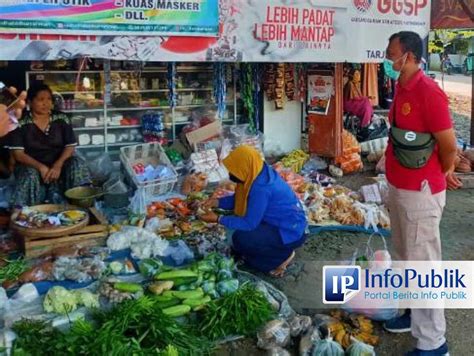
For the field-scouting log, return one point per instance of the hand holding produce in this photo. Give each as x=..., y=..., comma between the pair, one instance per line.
x=210, y=204
x=210, y=217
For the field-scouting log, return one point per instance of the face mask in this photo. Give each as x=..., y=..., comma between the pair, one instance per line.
x=388, y=67
x=234, y=179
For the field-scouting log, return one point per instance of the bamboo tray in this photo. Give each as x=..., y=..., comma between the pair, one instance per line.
x=94, y=234
x=43, y=232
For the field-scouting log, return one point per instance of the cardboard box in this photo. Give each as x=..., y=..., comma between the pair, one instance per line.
x=204, y=133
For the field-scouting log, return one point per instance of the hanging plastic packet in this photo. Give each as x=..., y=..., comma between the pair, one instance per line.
x=137, y=209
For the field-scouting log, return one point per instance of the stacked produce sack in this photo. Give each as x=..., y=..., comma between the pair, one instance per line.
x=350, y=161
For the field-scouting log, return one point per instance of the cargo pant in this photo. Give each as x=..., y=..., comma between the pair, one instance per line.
x=415, y=217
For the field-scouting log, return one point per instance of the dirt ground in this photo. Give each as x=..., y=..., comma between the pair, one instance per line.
x=303, y=288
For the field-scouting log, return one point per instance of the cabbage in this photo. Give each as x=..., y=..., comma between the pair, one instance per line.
x=226, y=263
x=87, y=298
x=59, y=300
x=116, y=267
x=228, y=287
x=208, y=286
x=224, y=274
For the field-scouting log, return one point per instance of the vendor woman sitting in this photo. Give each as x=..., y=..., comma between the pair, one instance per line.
x=43, y=148
x=268, y=220
x=355, y=103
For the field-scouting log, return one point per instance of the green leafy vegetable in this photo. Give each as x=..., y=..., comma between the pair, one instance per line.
x=12, y=270
x=239, y=313
x=134, y=327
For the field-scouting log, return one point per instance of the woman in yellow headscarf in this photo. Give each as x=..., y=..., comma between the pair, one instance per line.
x=268, y=220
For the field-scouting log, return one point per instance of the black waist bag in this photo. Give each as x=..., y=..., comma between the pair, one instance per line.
x=412, y=149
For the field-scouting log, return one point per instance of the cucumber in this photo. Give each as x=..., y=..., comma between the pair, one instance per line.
x=169, y=303
x=185, y=280
x=163, y=298
x=177, y=311
x=189, y=294
x=195, y=302
x=128, y=287
x=179, y=273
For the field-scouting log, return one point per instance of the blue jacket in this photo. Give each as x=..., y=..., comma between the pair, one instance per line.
x=270, y=201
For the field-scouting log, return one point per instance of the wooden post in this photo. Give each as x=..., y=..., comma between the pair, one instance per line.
x=472, y=106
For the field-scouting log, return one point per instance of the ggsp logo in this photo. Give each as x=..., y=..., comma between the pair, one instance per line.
x=399, y=7
x=340, y=283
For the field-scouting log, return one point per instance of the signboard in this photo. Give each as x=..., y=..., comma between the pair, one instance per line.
x=251, y=31
x=452, y=14
x=110, y=17
x=320, y=90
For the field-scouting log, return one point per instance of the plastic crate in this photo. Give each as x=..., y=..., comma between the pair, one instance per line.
x=148, y=153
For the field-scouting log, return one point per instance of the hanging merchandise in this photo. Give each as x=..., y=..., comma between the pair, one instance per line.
x=172, y=84
x=290, y=81
x=153, y=127
x=269, y=77
x=301, y=80
x=250, y=88
x=220, y=88
x=370, y=87
x=280, y=86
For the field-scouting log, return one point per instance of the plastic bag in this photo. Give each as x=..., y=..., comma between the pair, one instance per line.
x=277, y=299
x=101, y=167
x=194, y=183
x=380, y=167
x=360, y=348
x=137, y=209
x=3, y=298
x=179, y=252
x=299, y=324
x=237, y=135
x=278, y=351
x=115, y=185
x=381, y=309
x=276, y=333
x=315, y=163
x=307, y=341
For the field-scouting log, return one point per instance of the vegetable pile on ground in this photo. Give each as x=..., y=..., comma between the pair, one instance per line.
x=12, y=270
x=349, y=327
x=185, y=311
x=134, y=327
x=181, y=291
x=177, y=218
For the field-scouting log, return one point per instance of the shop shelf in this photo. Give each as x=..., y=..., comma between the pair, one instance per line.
x=119, y=144
x=91, y=146
x=89, y=128
x=195, y=89
x=81, y=110
x=77, y=92
x=118, y=127
x=138, y=108
x=140, y=91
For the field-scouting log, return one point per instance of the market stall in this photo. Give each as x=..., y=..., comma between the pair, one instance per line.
x=146, y=274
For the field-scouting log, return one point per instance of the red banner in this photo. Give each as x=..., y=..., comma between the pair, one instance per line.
x=452, y=14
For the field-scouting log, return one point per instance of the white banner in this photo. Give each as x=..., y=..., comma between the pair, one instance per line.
x=252, y=31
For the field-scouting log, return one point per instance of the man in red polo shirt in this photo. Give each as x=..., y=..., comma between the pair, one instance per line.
x=417, y=196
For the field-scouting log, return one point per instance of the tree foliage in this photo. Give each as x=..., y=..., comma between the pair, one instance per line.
x=454, y=40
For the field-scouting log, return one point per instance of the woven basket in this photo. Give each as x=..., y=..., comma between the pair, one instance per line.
x=148, y=153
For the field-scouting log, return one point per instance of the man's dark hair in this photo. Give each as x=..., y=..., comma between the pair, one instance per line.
x=36, y=88
x=410, y=42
